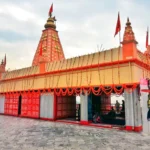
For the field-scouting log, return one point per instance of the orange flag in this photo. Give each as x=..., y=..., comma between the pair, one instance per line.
x=40, y=53
x=147, y=37
x=118, y=26
x=51, y=10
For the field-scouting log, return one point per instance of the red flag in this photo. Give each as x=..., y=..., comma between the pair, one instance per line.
x=40, y=53
x=147, y=37
x=118, y=26
x=51, y=9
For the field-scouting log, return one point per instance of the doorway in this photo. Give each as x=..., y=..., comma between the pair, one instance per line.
x=19, y=105
x=104, y=110
x=68, y=109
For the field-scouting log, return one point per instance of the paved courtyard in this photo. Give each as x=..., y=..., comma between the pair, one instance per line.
x=30, y=134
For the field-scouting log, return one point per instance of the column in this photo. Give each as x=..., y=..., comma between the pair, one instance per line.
x=47, y=106
x=129, y=111
x=84, y=109
x=137, y=111
x=144, y=98
x=2, y=103
x=54, y=106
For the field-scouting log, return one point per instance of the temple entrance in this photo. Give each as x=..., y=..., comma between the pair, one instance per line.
x=67, y=107
x=19, y=105
x=105, y=110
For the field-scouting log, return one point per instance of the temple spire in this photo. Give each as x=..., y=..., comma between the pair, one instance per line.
x=129, y=49
x=51, y=20
x=128, y=33
x=49, y=48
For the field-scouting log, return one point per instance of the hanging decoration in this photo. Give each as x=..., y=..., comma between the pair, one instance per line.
x=130, y=88
x=104, y=67
x=89, y=72
x=57, y=91
x=60, y=68
x=64, y=92
x=86, y=90
x=97, y=92
x=119, y=64
x=68, y=66
x=99, y=72
x=117, y=91
x=77, y=91
x=72, y=71
x=107, y=90
x=70, y=91
x=142, y=59
x=112, y=67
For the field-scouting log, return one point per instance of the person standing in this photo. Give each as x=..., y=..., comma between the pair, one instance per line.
x=123, y=106
x=117, y=105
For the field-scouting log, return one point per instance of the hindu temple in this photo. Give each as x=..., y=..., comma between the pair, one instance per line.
x=49, y=87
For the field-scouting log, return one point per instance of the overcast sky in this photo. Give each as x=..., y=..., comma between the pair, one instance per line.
x=82, y=26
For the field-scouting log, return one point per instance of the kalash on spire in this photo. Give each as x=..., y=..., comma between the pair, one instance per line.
x=49, y=48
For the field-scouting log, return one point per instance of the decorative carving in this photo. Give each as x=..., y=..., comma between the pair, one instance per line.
x=44, y=48
x=55, y=38
x=44, y=37
x=57, y=49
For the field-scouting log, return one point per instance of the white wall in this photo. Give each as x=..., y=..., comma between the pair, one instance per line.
x=115, y=97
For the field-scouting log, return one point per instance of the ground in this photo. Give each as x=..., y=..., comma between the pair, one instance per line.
x=29, y=134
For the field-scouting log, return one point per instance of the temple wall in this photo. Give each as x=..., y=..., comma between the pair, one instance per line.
x=116, y=74
x=139, y=72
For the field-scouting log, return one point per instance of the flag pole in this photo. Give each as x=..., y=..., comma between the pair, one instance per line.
x=120, y=39
x=148, y=35
x=119, y=32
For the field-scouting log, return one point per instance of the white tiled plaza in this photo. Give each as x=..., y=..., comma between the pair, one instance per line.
x=29, y=134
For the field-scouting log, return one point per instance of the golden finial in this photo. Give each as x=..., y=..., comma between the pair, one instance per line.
x=50, y=23
x=128, y=22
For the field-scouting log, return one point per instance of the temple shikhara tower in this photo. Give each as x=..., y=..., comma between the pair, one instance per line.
x=49, y=88
x=129, y=42
x=49, y=45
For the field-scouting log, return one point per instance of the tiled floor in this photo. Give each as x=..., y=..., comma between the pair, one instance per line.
x=30, y=134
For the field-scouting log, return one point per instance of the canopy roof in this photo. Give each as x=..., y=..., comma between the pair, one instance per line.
x=97, y=58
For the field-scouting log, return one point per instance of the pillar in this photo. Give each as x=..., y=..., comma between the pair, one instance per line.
x=133, y=111
x=84, y=109
x=137, y=111
x=144, y=98
x=2, y=104
x=129, y=112
x=47, y=106
x=55, y=107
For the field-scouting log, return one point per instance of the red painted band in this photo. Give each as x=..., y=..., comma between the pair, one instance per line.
x=138, y=129
x=84, y=122
x=129, y=128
